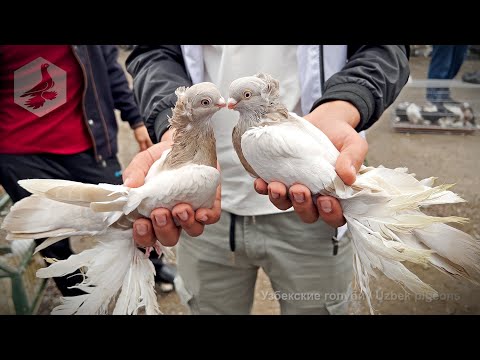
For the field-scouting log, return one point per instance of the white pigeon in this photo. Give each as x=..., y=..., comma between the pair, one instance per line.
x=414, y=114
x=58, y=209
x=382, y=207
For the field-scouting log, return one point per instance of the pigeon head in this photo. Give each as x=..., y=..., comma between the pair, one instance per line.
x=257, y=93
x=195, y=104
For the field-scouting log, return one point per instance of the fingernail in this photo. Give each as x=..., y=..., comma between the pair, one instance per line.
x=203, y=218
x=275, y=195
x=354, y=170
x=300, y=198
x=326, y=206
x=183, y=216
x=142, y=229
x=128, y=182
x=161, y=220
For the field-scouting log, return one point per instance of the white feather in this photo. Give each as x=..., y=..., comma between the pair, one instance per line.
x=51, y=219
x=105, y=212
x=113, y=265
x=382, y=207
x=61, y=209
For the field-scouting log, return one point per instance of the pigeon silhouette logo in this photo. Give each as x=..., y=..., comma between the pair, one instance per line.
x=40, y=87
x=39, y=93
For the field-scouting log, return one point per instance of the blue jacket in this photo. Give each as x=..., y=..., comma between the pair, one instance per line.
x=106, y=89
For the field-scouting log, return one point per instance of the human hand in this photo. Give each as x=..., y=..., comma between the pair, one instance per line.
x=161, y=224
x=337, y=120
x=142, y=137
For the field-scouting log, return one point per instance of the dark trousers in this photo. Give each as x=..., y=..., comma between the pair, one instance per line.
x=80, y=167
x=445, y=63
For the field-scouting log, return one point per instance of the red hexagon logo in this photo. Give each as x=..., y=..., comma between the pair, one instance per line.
x=40, y=86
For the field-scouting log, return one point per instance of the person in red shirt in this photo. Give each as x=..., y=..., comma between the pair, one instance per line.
x=57, y=120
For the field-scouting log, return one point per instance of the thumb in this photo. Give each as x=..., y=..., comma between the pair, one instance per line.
x=134, y=174
x=352, y=155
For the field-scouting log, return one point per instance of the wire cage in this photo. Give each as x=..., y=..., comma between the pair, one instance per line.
x=455, y=108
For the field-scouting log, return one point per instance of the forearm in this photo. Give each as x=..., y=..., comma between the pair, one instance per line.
x=370, y=81
x=121, y=93
x=157, y=70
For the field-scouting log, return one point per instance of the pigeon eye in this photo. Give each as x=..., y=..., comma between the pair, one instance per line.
x=205, y=102
x=247, y=94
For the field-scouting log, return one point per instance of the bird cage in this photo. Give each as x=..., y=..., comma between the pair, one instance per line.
x=20, y=289
x=420, y=50
x=413, y=113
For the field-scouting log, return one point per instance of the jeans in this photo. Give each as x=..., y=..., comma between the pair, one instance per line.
x=445, y=64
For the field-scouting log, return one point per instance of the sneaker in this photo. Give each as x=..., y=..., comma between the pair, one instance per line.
x=166, y=288
x=164, y=273
x=451, y=102
x=472, y=77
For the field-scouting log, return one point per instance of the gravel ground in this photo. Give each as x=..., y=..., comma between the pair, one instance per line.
x=452, y=158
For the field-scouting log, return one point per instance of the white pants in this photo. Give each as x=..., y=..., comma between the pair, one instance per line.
x=298, y=258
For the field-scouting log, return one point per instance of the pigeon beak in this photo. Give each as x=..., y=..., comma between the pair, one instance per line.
x=221, y=103
x=232, y=103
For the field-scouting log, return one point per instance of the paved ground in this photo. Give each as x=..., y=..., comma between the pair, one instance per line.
x=452, y=158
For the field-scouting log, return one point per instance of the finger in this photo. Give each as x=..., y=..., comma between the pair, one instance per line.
x=134, y=174
x=277, y=192
x=303, y=203
x=149, y=142
x=352, y=155
x=143, y=233
x=211, y=216
x=260, y=186
x=185, y=216
x=330, y=211
x=165, y=229
x=143, y=145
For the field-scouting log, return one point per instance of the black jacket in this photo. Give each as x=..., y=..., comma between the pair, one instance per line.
x=371, y=80
x=106, y=89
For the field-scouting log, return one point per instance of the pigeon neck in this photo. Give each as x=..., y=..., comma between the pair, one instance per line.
x=248, y=120
x=270, y=115
x=193, y=144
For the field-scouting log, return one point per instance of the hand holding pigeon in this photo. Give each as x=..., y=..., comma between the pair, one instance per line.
x=185, y=174
x=381, y=205
x=337, y=120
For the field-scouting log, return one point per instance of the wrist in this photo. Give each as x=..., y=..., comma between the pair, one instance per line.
x=138, y=124
x=337, y=110
x=139, y=128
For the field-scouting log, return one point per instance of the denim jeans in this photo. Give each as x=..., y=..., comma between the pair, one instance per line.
x=445, y=64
